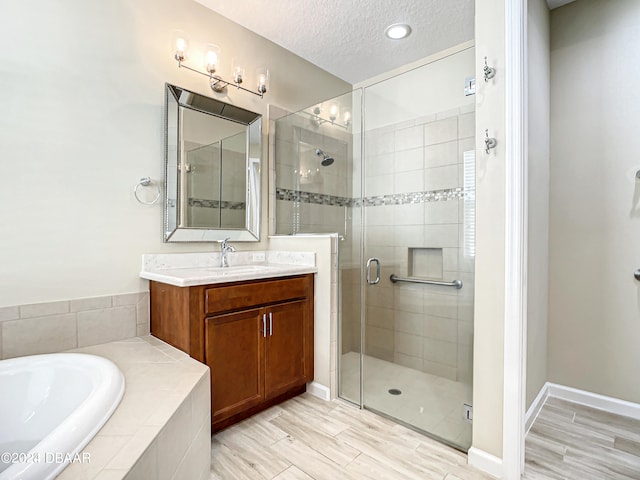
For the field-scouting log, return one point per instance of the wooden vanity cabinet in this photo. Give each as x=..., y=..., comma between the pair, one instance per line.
x=256, y=337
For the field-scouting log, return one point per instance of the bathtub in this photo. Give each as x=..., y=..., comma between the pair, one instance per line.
x=50, y=407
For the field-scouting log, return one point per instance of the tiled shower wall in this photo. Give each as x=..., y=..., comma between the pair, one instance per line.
x=415, y=205
x=58, y=326
x=311, y=198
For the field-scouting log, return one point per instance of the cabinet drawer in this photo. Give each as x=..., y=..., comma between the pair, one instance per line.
x=233, y=297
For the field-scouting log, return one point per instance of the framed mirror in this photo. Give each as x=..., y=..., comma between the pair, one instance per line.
x=212, y=169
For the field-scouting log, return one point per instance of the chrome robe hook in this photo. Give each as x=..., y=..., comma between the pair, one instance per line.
x=489, y=72
x=489, y=142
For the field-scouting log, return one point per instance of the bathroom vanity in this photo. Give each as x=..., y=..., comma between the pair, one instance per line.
x=255, y=334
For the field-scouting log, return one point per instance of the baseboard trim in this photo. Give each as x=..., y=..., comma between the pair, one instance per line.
x=485, y=461
x=319, y=390
x=594, y=400
x=536, y=406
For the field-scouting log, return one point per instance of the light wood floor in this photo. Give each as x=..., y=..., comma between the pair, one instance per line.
x=306, y=438
x=575, y=442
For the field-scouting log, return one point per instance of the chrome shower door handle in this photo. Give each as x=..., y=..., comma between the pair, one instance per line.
x=377, y=279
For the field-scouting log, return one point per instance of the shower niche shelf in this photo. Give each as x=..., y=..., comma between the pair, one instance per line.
x=425, y=262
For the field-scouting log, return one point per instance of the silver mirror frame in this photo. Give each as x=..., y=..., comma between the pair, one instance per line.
x=173, y=229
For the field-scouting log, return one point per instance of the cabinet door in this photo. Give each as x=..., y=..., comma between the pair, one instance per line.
x=234, y=349
x=285, y=347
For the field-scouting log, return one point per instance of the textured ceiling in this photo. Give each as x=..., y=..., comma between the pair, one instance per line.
x=346, y=37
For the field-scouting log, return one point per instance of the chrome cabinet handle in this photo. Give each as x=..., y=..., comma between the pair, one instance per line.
x=377, y=279
x=636, y=274
x=271, y=324
x=264, y=325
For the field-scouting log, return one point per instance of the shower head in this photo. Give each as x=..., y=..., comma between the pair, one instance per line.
x=326, y=159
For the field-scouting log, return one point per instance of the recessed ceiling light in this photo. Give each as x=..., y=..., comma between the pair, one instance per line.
x=397, y=31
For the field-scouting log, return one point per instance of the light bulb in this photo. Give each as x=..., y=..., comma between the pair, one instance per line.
x=238, y=71
x=347, y=118
x=211, y=57
x=398, y=31
x=180, y=44
x=334, y=111
x=263, y=80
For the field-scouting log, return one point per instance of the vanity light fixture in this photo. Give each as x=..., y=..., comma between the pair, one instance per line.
x=334, y=114
x=397, y=31
x=211, y=65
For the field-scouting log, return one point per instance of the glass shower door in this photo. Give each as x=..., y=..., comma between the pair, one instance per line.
x=417, y=239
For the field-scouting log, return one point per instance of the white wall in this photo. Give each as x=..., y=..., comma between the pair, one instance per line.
x=488, y=344
x=82, y=121
x=538, y=184
x=594, y=301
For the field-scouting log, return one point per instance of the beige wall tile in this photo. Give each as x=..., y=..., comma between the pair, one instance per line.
x=438, y=178
x=196, y=462
x=440, y=328
x=134, y=448
x=442, y=154
x=441, y=131
x=467, y=125
x=408, y=322
x=201, y=402
x=43, y=309
x=406, y=344
x=31, y=336
x=380, y=317
x=441, y=304
x=407, y=360
x=438, y=351
x=441, y=236
x=101, y=326
x=379, y=337
x=96, y=303
x=409, y=160
x=440, y=370
x=142, y=311
x=9, y=313
x=408, y=138
x=146, y=468
x=128, y=299
x=406, y=182
x=174, y=441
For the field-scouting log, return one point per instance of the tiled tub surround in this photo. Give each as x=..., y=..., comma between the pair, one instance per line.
x=162, y=427
x=57, y=326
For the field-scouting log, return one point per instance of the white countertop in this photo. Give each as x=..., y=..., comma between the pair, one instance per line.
x=187, y=270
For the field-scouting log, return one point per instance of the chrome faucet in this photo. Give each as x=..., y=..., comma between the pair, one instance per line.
x=225, y=248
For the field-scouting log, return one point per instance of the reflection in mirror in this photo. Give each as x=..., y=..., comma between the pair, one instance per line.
x=213, y=153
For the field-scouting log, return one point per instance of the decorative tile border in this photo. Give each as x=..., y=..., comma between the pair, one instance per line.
x=309, y=197
x=206, y=203
x=394, y=199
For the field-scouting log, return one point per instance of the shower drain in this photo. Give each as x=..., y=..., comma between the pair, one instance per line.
x=395, y=391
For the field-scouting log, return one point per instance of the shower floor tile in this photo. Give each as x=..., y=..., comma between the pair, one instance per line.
x=430, y=403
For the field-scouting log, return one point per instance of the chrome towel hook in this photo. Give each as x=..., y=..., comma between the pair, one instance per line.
x=145, y=182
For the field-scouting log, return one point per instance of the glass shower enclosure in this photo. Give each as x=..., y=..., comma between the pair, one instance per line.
x=402, y=200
